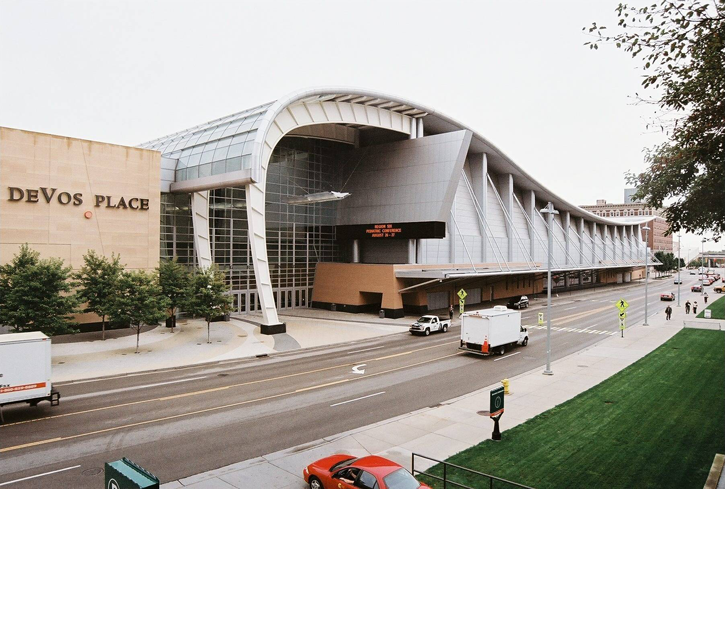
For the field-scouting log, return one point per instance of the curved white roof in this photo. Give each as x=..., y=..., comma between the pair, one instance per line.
x=235, y=142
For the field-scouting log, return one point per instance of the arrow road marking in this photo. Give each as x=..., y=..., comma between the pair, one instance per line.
x=356, y=368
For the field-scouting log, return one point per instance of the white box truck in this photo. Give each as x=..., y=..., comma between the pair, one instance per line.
x=492, y=331
x=25, y=370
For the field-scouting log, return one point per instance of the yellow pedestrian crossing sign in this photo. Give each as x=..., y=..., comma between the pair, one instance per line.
x=462, y=294
x=622, y=305
x=541, y=319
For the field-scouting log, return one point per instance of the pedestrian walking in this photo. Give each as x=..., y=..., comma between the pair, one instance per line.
x=668, y=313
x=450, y=312
x=705, y=297
x=694, y=308
x=687, y=308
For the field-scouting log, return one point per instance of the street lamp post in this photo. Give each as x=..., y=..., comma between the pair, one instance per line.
x=646, y=272
x=679, y=268
x=550, y=211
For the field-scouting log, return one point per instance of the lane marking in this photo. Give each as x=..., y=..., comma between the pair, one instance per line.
x=507, y=356
x=40, y=475
x=220, y=407
x=214, y=389
x=365, y=350
x=76, y=397
x=352, y=400
x=356, y=369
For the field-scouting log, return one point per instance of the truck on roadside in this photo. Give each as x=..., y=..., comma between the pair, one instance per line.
x=428, y=324
x=492, y=331
x=25, y=366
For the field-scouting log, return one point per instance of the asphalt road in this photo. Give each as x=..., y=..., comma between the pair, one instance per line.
x=180, y=422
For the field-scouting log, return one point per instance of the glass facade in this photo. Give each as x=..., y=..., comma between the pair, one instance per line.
x=298, y=236
x=177, y=234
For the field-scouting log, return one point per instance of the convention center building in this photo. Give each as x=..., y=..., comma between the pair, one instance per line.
x=331, y=198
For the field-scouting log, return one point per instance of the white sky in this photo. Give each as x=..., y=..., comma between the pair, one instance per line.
x=515, y=71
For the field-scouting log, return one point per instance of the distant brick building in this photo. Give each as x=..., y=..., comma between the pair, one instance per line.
x=657, y=239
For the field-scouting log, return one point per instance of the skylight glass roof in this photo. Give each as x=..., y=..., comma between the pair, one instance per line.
x=216, y=147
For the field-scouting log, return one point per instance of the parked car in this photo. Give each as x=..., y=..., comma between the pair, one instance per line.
x=707, y=281
x=518, y=303
x=428, y=324
x=343, y=471
x=667, y=297
x=696, y=288
x=719, y=289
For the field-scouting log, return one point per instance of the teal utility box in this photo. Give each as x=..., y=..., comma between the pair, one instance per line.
x=124, y=474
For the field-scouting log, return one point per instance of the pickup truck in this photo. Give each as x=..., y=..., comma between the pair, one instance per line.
x=428, y=324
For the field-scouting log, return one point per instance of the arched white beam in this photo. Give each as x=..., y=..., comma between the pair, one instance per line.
x=284, y=120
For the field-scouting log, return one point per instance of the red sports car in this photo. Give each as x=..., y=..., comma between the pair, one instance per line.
x=667, y=297
x=342, y=471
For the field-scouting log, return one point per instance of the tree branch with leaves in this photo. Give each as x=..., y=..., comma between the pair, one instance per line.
x=681, y=46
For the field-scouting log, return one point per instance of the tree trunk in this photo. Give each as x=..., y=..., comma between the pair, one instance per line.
x=208, y=326
x=138, y=334
x=103, y=327
x=173, y=312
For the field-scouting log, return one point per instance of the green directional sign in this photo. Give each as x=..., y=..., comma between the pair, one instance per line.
x=496, y=402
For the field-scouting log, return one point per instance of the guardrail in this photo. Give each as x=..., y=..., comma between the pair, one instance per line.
x=508, y=484
x=703, y=324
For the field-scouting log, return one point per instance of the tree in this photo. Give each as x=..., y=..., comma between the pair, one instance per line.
x=98, y=280
x=208, y=296
x=668, y=261
x=37, y=294
x=174, y=280
x=138, y=301
x=682, y=46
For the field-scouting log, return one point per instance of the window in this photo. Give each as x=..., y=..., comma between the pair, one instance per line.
x=367, y=480
x=401, y=479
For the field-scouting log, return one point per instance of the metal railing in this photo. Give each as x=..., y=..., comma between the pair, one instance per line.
x=449, y=465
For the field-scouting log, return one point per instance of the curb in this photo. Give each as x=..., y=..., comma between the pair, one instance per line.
x=715, y=471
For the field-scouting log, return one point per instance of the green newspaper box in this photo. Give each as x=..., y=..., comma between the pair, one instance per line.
x=124, y=474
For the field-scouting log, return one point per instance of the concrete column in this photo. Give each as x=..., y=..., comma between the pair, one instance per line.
x=565, y=222
x=413, y=129
x=356, y=251
x=479, y=183
x=506, y=191
x=529, y=203
x=419, y=132
x=412, y=251
x=200, y=224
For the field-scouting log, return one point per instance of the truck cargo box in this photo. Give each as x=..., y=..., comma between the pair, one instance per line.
x=491, y=330
x=25, y=361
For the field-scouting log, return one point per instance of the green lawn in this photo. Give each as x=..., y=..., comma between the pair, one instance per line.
x=717, y=307
x=656, y=424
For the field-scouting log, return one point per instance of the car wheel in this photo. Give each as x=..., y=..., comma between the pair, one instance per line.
x=445, y=327
x=525, y=342
x=315, y=483
x=427, y=331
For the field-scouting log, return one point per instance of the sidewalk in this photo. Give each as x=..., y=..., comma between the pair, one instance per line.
x=235, y=339
x=455, y=425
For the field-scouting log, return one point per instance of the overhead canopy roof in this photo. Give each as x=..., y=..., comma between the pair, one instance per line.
x=234, y=142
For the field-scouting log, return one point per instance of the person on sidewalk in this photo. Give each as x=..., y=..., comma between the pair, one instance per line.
x=450, y=312
x=687, y=307
x=668, y=313
x=705, y=297
x=694, y=308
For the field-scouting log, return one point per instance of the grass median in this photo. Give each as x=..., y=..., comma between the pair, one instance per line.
x=717, y=308
x=656, y=424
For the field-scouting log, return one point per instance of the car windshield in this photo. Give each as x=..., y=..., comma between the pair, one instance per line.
x=424, y=320
x=343, y=463
x=401, y=479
